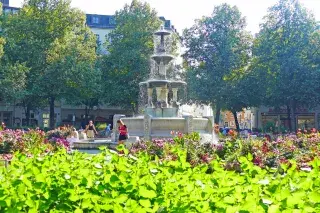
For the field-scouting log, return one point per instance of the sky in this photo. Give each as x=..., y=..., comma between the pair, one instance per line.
x=182, y=13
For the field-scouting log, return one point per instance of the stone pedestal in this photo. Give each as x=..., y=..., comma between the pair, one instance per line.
x=165, y=96
x=188, y=124
x=175, y=94
x=158, y=90
x=147, y=127
x=115, y=134
x=150, y=91
x=162, y=70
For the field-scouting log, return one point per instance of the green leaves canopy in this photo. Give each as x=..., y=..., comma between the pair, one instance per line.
x=51, y=38
x=12, y=75
x=130, y=49
x=286, y=57
x=217, y=48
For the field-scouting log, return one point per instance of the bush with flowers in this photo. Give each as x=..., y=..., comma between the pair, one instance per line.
x=301, y=147
x=30, y=141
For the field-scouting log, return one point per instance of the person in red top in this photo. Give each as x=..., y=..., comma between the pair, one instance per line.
x=123, y=132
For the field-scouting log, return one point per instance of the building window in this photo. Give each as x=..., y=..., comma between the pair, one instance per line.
x=95, y=20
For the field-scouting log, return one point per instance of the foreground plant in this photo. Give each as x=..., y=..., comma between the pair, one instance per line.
x=107, y=182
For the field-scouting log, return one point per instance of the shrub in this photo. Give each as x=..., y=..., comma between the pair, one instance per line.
x=31, y=141
x=107, y=182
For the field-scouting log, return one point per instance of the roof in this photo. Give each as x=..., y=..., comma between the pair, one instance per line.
x=96, y=20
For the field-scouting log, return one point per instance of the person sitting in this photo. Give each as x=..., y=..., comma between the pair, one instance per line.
x=75, y=134
x=91, y=130
x=123, y=132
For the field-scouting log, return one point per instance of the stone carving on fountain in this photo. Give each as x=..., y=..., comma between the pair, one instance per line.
x=159, y=82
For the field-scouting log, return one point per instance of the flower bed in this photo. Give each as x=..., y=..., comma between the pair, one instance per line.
x=302, y=148
x=31, y=141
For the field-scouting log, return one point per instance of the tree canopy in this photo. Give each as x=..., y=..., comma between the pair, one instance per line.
x=217, y=47
x=50, y=37
x=128, y=61
x=12, y=75
x=286, y=58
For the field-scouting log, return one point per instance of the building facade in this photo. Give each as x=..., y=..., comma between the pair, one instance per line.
x=276, y=118
x=5, y=2
x=247, y=119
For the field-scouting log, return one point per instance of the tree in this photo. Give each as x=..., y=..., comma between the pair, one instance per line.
x=86, y=86
x=1, y=39
x=44, y=35
x=128, y=61
x=12, y=76
x=65, y=62
x=217, y=46
x=286, y=58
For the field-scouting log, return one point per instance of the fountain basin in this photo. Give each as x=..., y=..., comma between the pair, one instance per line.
x=162, y=127
x=175, y=84
x=162, y=112
x=162, y=57
x=156, y=83
x=97, y=143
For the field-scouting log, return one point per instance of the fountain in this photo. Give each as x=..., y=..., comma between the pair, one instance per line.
x=160, y=114
x=161, y=111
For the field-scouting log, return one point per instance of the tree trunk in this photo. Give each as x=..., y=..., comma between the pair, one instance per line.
x=293, y=115
x=135, y=108
x=217, y=116
x=27, y=111
x=86, y=113
x=289, y=117
x=51, y=115
x=236, y=120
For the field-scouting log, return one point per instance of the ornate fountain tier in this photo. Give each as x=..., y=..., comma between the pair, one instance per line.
x=153, y=83
x=162, y=58
x=162, y=108
x=162, y=32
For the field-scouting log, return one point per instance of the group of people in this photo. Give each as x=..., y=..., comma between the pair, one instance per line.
x=91, y=131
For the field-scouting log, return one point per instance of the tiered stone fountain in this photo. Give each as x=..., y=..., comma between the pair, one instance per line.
x=160, y=115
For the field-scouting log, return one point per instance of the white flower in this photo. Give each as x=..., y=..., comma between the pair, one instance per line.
x=264, y=182
x=265, y=201
x=307, y=169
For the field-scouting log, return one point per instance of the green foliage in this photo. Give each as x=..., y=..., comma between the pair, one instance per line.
x=128, y=61
x=51, y=39
x=107, y=182
x=218, y=50
x=12, y=80
x=101, y=126
x=286, y=57
x=12, y=76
